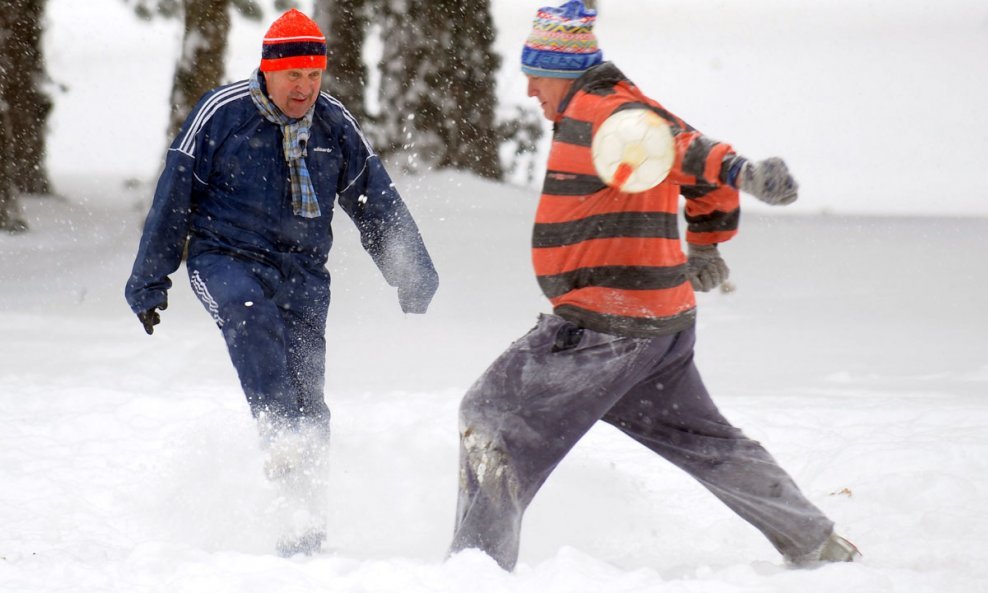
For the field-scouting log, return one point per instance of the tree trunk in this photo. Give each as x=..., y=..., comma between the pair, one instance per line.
x=7, y=196
x=28, y=105
x=345, y=22
x=200, y=67
x=437, y=91
x=471, y=75
x=9, y=218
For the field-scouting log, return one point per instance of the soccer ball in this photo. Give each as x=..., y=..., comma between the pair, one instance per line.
x=633, y=150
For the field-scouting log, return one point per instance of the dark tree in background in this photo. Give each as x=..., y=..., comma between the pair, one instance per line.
x=201, y=65
x=437, y=99
x=8, y=203
x=345, y=24
x=10, y=219
x=22, y=65
x=438, y=86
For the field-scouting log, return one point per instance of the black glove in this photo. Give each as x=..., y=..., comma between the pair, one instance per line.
x=705, y=267
x=769, y=181
x=150, y=318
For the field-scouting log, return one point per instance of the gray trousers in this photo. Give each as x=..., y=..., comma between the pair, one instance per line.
x=544, y=393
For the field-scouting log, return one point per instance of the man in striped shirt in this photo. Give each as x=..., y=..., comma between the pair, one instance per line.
x=619, y=344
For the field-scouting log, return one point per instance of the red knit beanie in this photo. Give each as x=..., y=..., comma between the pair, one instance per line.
x=293, y=41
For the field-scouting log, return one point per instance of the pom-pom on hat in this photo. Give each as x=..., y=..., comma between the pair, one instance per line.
x=293, y=41
x=562, y=43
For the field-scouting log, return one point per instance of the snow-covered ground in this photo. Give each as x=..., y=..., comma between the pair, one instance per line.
x=854, y=348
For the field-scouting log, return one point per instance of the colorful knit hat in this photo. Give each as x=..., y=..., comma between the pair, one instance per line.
x=293, y=41
x=562, y=43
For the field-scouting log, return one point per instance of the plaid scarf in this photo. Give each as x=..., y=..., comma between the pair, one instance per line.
x=295, y=134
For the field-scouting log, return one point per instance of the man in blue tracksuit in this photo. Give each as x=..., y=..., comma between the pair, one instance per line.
x=249, y=186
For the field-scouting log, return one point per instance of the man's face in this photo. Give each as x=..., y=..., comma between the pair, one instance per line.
x=294, y=91
x=549, y=92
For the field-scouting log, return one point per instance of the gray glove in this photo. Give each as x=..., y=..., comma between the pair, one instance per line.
x=415, y=299
x=705, y=267
x=769, y=181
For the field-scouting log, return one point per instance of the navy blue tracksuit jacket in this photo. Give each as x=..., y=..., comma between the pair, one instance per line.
x=226, y=189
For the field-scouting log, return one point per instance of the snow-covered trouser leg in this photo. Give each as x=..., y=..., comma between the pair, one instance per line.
x=273, y=320
x=297, y=463
x=538, y=398
x=523, y=415
x=671, y=413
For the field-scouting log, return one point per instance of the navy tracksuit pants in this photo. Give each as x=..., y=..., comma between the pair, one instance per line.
x=273, y=318
x=544, y=393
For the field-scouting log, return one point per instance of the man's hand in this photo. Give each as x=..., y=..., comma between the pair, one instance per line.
x=150, y=318
x=706, y=269
x=769, y=181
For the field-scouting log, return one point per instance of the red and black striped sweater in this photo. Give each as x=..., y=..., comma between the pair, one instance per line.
x=612, y=261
